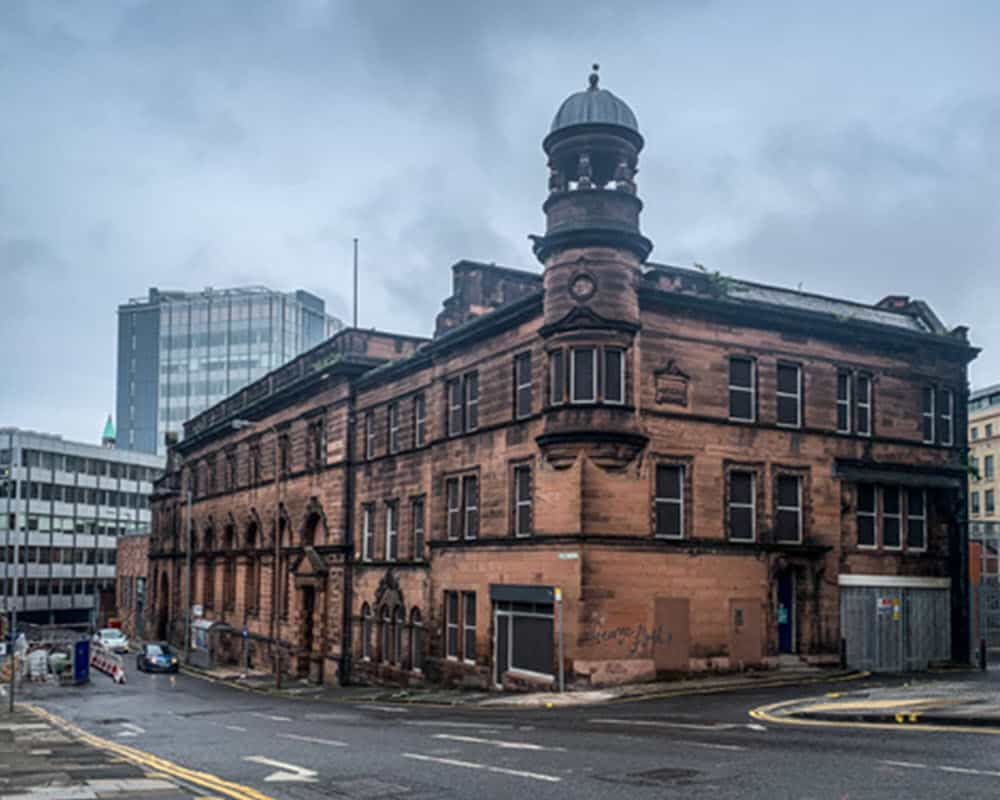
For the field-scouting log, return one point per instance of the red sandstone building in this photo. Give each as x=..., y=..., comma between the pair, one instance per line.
x=709, y=473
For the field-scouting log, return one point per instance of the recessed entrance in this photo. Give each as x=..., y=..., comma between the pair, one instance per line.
x=785, y=611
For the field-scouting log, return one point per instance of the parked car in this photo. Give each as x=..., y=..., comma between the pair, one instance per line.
x=112, y=639
x=156, y=657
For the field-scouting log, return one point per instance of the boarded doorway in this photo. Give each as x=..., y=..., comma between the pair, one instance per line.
x=672, y=634
x=746, y=629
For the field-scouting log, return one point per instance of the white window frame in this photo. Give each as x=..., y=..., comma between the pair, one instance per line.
x=865, y=402
x=418, y=527
x=456, y=410
x=454, y=512
x=469, y=380
x=797, y=396
x=989, y=468
x=367, y=532
x=419, y=420
x=451, y=623
x=469, y=508
x=554, y=357
x=520, y=502
x=752, y=389
x=948, y=418
x=974, y=504
x=393, y=419
x=898, y=516
x=922, y=516
x=847, y=402
x=621, y=375
x=988, y=495
x=678, y=501
x=797, y=509
x=752, y=505
x=391, y=531
x=369, y=436
x=873, y=514
x=932, y=415
x=519, y=387
x=572, y=375
x=466, y=627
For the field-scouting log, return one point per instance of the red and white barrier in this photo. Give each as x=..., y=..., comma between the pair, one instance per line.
x=108, y=663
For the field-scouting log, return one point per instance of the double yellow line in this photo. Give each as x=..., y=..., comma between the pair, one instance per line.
x=143, y=759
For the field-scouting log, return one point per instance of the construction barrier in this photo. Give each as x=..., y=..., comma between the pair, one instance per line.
x=108, y=663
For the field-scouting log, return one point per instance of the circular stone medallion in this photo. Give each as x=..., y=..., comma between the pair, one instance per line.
x=582, y=287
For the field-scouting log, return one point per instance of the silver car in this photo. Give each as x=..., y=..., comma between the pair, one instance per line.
x=112, y=639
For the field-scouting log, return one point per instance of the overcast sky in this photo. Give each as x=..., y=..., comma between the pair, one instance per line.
x=850, y=148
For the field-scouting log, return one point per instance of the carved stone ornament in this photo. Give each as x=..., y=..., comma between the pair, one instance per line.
x=582, y=287
x=388, y=592
x=671, y=385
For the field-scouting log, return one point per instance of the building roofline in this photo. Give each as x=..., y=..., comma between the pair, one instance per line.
x=986, y=391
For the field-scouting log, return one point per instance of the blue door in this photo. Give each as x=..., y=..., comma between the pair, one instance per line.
x=786, y=613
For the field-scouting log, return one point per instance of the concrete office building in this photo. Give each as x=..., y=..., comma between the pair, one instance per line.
x=984, y=451
x=66, y=504
x=181, y=352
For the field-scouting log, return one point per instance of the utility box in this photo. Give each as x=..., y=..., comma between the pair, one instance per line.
x=895, y=623
x=81, y=662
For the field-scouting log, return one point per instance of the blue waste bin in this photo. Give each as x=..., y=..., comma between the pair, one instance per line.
x=81, y=662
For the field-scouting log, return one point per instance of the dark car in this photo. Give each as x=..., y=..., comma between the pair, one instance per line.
x=156, y=657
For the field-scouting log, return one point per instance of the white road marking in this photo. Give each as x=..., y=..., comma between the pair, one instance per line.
x=23, y=726
x=969, y=771
x=756, y=727
x=334, y=715
x=313, y=739
x=454, y=762
x=387, y=709
x=688, y=726
x=287, y=773
x=236, y=728
x=272, y=717
x=482, y=726
x=131, y=731
x=712, y=746
x=454, y=737
x=907, y=764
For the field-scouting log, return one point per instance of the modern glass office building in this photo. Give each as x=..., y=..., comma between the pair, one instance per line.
x=181, y=352
x=64, y=505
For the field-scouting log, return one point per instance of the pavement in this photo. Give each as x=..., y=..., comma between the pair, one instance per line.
x=264, y=682
x=40, y=760
x=705, y=745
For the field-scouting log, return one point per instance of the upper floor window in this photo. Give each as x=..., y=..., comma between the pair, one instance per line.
x=522, y=500
x=946, y=416
x=522, y=386
x=864, y=405
x=419, y=420
x=367, y=532
x=583, y=375
x=462, y=496
x=391, y=531
x=614, y=375
x=928, y=414
x=230, y=470
x=854, y=403
x=742, y=506
x=789, y=395
x=975, y=502
x=210, y=467
x=470, y=499
x=463, y=404
x=471, y=382
x=669, y=501
x=417, y=513
x=369, y=435
x=844, y=402
x=892, y=516
x=454, y=509
x=393, y=424
x=316, y=447
x=284, y=453
x=989, y=431
x=742, y=389
x=988, y=467
x=867, y=513
x=974, y=433
x=916, y=519
x=455, y=409
x=989, y=497
x=255, y=462
x=788, y=509
x=557, y=378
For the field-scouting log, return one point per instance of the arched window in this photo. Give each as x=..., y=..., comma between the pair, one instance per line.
x=386, y=638
x=252, y=575
x=366, y=632
x=398, y=624
x=416, y=641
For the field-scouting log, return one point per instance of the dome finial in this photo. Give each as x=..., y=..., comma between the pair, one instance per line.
x=594, y=78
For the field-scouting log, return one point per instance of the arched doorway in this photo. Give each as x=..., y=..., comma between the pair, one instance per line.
x=163, y=608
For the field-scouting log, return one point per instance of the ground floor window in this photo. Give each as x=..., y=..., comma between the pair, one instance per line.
x=524, y=638
x=416, y=641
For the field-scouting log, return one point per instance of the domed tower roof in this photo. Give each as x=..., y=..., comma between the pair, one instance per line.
x=594, y=106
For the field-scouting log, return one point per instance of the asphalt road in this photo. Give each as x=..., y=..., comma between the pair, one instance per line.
x=692, y=747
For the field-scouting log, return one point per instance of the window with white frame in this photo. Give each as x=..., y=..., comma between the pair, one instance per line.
x=453, y=497
x=614, y=375
x=417, y=512
x=522, y=500
x=946, y=418
x=844, y=402
x=788, y=509
x=391, y=531
x=669, y=501
x=789, y=395
x=928, y=412
x=916, y=519
x=451, y=624
x=863, y=407
x=892, y=518
x=583, y=375
x=369, y=435
x=742, y=506
x=455, y=407
x=522, y=386
x=742, y=389
x=419, y=420
x=988, y=470
x=470, y=502
x=393, y=420
x=469, y=626
x=557, y=378
x=367, y=532
x=990, y=501
x=975, y=502
x=471, y=382
x=867, y=516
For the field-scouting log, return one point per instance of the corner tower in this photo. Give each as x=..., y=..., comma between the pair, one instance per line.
x=592, y=251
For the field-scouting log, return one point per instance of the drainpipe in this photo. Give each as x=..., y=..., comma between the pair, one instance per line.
x=346, y=638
